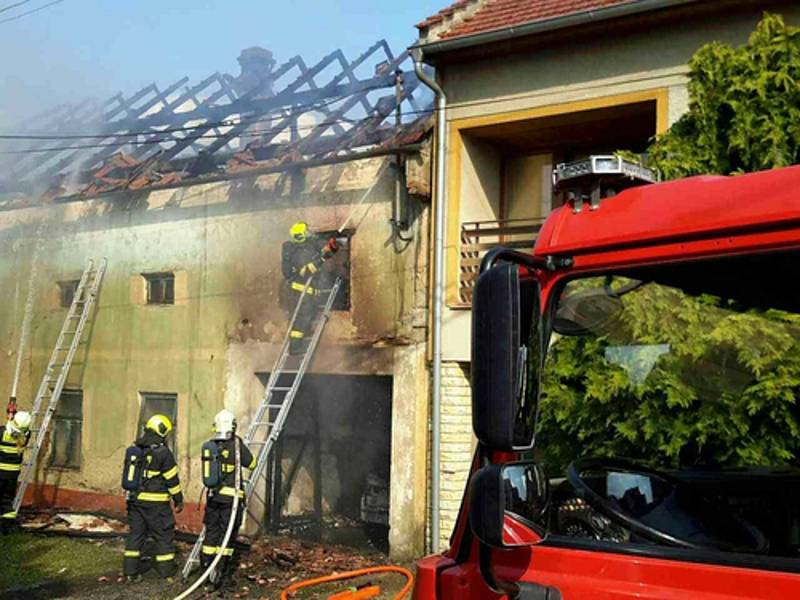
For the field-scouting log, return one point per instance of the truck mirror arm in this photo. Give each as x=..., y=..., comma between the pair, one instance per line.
x=550, y=263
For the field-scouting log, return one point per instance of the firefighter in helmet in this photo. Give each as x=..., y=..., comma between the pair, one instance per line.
x=221, y=491
x=14, y=436
x=149, y=511
x=303, y=257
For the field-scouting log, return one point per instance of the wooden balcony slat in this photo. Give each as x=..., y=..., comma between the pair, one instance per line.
x=489, y=246
x=500, y=231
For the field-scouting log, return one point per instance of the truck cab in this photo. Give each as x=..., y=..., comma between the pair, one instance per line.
x=636, y=400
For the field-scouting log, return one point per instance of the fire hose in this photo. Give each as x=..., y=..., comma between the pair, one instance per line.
x=231, y=521
x=295, y=587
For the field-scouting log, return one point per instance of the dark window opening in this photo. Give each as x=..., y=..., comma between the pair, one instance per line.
x=160, y=288
x=339, y=266
x=156, y=403
x=67, y=433
x=66, y=292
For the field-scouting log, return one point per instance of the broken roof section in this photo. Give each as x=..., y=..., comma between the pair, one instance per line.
x=271, y=115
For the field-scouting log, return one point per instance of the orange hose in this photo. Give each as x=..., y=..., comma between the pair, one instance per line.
x=286, y=594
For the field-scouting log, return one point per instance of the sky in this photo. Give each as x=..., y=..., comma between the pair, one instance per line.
x=95, y=48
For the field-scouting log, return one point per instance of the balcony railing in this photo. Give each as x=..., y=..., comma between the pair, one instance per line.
x=478, y=237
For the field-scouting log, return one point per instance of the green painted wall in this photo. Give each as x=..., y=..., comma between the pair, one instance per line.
x=223, y=243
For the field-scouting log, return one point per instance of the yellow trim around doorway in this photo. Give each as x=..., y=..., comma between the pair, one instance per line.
x=456, y=147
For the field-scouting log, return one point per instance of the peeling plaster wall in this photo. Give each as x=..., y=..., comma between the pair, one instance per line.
x=223, y=242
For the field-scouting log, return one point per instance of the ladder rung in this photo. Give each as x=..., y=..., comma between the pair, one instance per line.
x=275, y=405
x=281, y=388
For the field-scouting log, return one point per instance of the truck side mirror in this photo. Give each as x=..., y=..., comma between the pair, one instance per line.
x=506, y=502
x=506, y=358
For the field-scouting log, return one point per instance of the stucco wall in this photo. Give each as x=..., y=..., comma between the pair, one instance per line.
x=223, y=242
x=595, y=66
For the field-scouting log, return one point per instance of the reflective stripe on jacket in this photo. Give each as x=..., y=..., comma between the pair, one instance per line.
x=11, y=453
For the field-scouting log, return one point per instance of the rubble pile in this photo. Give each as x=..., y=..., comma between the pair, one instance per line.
x=274, y=563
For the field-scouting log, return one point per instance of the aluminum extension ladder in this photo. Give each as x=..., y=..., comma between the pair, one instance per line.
x=279, y=395
x=44, y=405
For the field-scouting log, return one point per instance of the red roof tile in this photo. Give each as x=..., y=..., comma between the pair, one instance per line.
x=499, y=14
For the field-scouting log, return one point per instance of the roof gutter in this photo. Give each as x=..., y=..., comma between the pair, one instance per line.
x=548, y=25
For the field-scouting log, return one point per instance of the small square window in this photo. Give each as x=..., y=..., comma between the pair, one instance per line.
x=157, y=403
x=67, y=432
x=66, y=292
x=160, y=288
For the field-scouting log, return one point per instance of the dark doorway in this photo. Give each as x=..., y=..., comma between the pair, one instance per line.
x=328, y=477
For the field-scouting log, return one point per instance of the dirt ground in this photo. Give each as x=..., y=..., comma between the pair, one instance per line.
x=41, y=567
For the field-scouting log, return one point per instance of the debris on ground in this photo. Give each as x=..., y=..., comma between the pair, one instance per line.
x=94, y=569
x=65, y=522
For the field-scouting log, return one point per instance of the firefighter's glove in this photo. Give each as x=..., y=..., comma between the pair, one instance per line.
x=332, y=247
x=179, y=507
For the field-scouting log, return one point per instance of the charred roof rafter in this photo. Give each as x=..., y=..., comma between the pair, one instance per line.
x=284, y=114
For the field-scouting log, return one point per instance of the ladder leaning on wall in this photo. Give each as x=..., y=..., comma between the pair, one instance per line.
x=279, y=394
x=44, y=405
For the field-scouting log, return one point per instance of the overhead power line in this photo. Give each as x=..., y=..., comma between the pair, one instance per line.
x=13, y=6
x=294, y=111
x=29, y=12
x=252, y=133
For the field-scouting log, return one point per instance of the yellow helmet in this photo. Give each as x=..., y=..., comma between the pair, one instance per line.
x=159, y=424
x=299, y=232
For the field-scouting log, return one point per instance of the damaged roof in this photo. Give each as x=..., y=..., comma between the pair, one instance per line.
x=271, y=115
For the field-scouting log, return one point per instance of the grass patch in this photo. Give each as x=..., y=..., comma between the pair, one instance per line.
x=31, y=559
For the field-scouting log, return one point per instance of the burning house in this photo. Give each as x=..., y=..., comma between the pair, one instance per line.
x=188, y=191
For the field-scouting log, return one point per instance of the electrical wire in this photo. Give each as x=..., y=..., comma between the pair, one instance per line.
x=297, y=108
x=30, y=12
x=13, y=6
x=255, y=133
x=164, y=140
x=324, y=123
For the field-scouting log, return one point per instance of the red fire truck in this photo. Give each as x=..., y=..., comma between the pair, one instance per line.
x=636, y=399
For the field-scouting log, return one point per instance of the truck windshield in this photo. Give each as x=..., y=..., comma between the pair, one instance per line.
x=691, y=373
x=669, y=374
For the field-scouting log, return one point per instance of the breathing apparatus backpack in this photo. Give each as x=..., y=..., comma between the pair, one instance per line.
x=133, y=469
x=212, y=465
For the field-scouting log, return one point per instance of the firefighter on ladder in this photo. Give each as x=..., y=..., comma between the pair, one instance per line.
x=14, y=436
x=303, y=256
x=149, y=511
x=221, y=491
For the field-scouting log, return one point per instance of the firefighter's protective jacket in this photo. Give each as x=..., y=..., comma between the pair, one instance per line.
x=11, y=450
x=225, y=492
x=160, y=477
x=304, y=260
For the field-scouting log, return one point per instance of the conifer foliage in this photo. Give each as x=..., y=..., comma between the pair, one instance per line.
x=744, y=111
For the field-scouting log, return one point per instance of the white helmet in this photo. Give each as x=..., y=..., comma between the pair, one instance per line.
x=224, y=423
x=21, y=422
